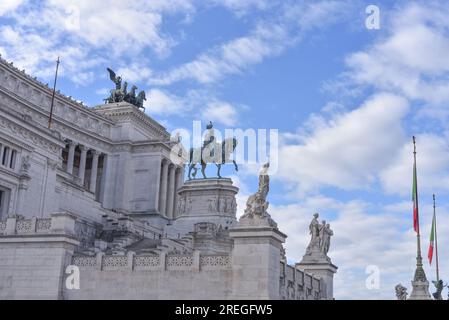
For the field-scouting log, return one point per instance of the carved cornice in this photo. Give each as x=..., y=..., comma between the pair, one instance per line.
x=26, y=109
x=125, y=112
x=21, y=92
x=41, y=139
x=42, y=88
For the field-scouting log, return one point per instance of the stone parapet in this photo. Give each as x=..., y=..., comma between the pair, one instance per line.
x=156, y=262
x=295, y=284
x=324, y=271
x=59, y=223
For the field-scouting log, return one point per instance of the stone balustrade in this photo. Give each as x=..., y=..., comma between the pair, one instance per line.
x=146, y=262
x=295, y=284
x=60, y=223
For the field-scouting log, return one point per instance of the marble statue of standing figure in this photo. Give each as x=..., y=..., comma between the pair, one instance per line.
x=314, y=231
x=321, y=231
x=326, y=235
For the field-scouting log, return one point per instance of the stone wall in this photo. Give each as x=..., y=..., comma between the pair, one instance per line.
x=34, y=254
x=153, y=277
x=33, y=257
x=295, y=284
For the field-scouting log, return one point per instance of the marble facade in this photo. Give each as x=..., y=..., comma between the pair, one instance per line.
x=99, y=191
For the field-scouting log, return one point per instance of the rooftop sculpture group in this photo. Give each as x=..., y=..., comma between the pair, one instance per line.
x=320, y=238
x=120, y=93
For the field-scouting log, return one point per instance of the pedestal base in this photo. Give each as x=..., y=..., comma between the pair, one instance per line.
x=420, y=291
x=325, y=270
x=255, y=262
x=205, y=200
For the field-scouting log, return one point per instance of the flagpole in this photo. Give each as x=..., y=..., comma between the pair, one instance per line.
x=53, y=95
x=418, y=236
x=420, y=285
x=436, y=238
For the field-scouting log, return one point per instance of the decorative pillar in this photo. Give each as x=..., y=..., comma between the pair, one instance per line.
x=104, y=180
x=94, y=171
x=257, y=250
x=178, y=184
x=71, y=157
x=256, y=260
x=82, y=169
x=171, y=191
x=325, y=272
x=163, y=190
x=23, y=184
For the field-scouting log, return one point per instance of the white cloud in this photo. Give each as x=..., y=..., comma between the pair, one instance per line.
x=230, y=58
x=162, y=102
x=433, y=170
x=241, y=8
x=9, y=5
x=268, y=39
x=86, y=34
x=362, y=238
x=116, y=26
x=409, y=60
x=221, y=112
x=348, y=150
x=134, y=73
x=41, y=59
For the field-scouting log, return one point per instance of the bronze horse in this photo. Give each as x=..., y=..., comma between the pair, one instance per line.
x=197, y=156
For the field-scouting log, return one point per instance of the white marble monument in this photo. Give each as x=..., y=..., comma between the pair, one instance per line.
x=98, y=192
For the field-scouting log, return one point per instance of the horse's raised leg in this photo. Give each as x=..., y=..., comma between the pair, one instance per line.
x=218, y=171
x=190, y=170
x=192, y=166
x=236, y=166
x=203, y=169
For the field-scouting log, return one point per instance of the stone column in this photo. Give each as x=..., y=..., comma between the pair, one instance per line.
x=23, y=186
x=163, y=190
x=171, y=191
x=82, y=170
x=104, y=181
x=178, y=184
x=94, y=171
x=71, y=157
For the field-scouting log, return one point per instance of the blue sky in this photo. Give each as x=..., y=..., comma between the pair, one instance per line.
x=346, y=101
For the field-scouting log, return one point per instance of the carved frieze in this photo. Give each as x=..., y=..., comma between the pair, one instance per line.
x=29, y=136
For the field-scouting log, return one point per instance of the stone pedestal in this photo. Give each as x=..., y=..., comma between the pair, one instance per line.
x=420, y=285
x=205, y=200
x=420, y=291
x=324, y=270
x=256, y=259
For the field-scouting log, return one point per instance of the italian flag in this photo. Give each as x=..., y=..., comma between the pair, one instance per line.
x=415, y=201
x=432, y=241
